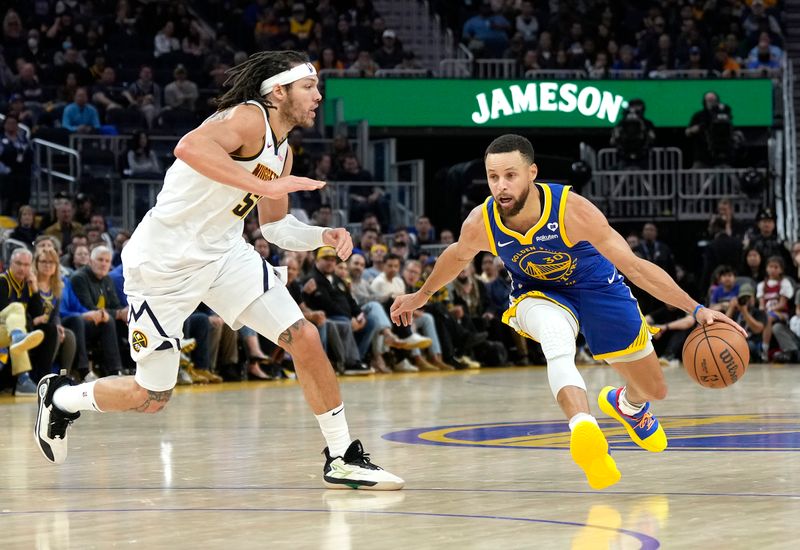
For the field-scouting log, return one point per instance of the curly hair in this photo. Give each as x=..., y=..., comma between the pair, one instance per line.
x=245, y=78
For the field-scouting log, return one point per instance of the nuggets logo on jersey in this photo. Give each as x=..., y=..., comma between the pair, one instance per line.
x=138, y=340
x=545, y=265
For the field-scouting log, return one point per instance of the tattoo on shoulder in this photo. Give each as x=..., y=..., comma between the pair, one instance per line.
x=288, y=336
x=158, y=397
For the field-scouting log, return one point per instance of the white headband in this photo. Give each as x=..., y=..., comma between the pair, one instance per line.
x=287, y=77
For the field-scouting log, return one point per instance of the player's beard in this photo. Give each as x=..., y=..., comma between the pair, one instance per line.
x=296, y=114
x=516, y=205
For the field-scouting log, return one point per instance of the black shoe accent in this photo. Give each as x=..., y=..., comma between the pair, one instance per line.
x=59, y=420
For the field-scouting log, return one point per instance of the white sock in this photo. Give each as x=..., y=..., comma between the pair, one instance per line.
x=72, y=399
x=631, y=409
x=581, y=417
x=334, y=429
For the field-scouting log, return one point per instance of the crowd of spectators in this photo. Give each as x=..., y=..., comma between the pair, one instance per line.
x=146, y=68
x=69, y=276
x=748, y=272
x=600, y=38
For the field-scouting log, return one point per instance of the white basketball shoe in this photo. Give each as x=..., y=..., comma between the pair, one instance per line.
x=354, y=470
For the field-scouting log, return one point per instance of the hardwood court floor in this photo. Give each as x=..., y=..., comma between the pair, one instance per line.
x=483, y=454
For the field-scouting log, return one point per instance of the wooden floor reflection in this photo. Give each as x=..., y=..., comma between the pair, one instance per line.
x=483, y=454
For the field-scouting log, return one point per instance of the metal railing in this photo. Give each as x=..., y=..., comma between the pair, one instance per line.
x=663, y=190
x=46, y=171
x=135, y=205
x=496, y=68
x=641, y=195
x=459, y=66
x=401, y=198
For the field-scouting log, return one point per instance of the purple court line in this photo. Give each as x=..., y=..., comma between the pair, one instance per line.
x=421, y=490
x=648, y=542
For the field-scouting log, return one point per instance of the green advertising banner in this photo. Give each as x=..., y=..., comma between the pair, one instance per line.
x=552, y=104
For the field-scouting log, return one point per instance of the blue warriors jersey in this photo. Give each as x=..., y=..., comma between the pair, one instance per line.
x=543, y=263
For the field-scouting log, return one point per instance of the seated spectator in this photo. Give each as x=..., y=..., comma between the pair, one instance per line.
x=385, y=334
x=446, y=237
x=181, y=93
x=57, y=338
x=30, y=91
x=141, y=159
x=145, y=95
x=745, y=311
x=78, y=258
x=328, y=60
x=364, y=64
x=368, y=239
x=80, y=116
x=196, y=41
x=598, y=68
x=753, y=265
x=19, y=303
x=423, y=231
x=723, y=249
x=165, y=41
x=765, y=239
x=526, y=23
x=724, y=64
x=105, y=94
x=327, y=292
x=96, y=292
x=377, y=253
x=764, y=55
x=25, y=231
x=725, y=291
x=300, y=24
x=627, y=60
x=773, y=294
x=390, y=53
x=486, y=33
x=663, y=58
x=758, y=20
x=65, y=226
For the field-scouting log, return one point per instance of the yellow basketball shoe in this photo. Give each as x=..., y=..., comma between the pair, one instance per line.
x=644, y=428
x=589, y=450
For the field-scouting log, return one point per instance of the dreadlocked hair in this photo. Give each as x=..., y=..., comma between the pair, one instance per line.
x=244, y=80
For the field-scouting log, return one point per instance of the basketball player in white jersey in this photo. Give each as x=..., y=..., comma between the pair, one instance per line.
x=189, y=248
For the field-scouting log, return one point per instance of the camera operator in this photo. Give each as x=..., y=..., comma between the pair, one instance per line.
x=744, y=311
x=711, y=132
x=633, y=137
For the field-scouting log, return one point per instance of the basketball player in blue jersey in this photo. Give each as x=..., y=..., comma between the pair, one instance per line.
x=189, y=248
x=566, y=265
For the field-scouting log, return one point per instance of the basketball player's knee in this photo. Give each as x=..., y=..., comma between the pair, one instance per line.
x=556, y=337
x=149, y=401
x=300, y=338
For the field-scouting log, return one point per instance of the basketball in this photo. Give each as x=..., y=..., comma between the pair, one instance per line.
x=716, y=356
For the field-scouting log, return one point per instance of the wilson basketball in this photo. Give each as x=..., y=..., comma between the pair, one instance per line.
x=715, y=356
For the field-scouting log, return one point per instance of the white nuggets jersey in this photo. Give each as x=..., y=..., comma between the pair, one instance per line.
x=205, y=214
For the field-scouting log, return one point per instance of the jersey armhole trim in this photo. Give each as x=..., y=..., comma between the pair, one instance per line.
x=263, y=139
x=562, y=208
x=488, y=226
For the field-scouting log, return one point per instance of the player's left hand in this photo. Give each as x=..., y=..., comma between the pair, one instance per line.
x=707, y=316
x=340, y=239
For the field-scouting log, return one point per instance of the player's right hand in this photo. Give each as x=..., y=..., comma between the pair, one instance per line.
x=281, y=187
x=403, y=308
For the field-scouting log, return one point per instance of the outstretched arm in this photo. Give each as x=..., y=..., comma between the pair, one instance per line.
x=473, y=239
x=287, y=232
x=584, y=222
x=207, y=149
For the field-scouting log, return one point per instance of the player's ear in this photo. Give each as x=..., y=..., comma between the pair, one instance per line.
x=534, y=171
